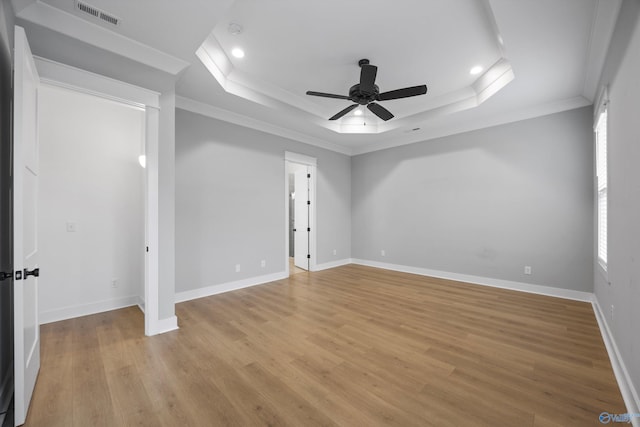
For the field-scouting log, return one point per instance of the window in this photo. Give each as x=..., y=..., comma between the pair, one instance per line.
x=601, y=176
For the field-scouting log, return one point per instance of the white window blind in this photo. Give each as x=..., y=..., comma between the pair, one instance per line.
x=601, y=172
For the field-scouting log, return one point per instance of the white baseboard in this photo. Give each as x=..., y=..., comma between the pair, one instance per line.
x=332, y=264
x=230, y=286
x=627, y=389
x=485, y=281
x=164, y=325
x=71, y=312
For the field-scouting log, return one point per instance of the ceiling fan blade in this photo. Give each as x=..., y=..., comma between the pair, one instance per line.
x=343, y=112
x=328, y=95
x=368, y=78
x=402, y=93
x=380, y=111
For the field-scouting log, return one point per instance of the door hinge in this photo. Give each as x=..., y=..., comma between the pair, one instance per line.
x=308, y=202
x=35, y=273
x=308, y=228
x=308, y=175
x=147, y=248
x=309, y=256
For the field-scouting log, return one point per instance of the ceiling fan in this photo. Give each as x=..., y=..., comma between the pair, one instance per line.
x=366, y=92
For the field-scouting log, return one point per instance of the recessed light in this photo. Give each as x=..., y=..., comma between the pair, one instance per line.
x=237, y=52
x=358, y=112
x=475, y=70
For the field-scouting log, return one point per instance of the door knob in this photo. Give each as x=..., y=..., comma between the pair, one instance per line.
x=35, y=273
x=5, y=276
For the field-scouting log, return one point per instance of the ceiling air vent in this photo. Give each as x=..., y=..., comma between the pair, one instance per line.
x=97, y=13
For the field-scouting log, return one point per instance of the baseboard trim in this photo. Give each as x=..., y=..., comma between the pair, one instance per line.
x=332, y=264
x=74, y=311
x=485, y=281
x=627, y=389
x=229, y=286
x=161, y=326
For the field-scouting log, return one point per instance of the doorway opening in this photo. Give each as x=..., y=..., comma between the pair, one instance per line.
x=77, y=80
x=92, y=190
x=300, y=211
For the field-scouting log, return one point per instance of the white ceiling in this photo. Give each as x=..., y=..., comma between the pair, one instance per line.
x=546, y=57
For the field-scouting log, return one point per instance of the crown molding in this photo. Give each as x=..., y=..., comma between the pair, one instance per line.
x=494, y=120
x=424, y=135
x=248, y=122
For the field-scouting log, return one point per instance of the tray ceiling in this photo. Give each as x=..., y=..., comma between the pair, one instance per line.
x=538, y=57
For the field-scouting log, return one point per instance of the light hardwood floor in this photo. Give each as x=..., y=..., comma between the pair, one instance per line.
x=350, y=346
x=293, y=269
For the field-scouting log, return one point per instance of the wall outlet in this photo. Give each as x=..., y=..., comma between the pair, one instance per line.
x=335, y=252
x=527, y=270
x=383, y=252
x=114, y=283
x=237, y=268
x=263, y=263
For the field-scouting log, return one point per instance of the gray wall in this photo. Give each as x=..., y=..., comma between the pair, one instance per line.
x=484, y=203
x=622, y=71
x=230, y=202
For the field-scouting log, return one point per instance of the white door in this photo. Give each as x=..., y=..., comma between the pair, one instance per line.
x=301, y=220
x=25, y=232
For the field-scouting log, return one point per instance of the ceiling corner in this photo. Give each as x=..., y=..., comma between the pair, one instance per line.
x=604, y=22
x=19, y=5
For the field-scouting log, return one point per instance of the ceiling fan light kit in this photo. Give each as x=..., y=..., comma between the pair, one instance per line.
x=367, y=92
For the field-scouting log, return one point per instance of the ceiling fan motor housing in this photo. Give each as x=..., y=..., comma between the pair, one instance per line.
x=363, y=98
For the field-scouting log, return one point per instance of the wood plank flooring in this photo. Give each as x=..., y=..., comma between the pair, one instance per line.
x=293, y=269
x=350, y=346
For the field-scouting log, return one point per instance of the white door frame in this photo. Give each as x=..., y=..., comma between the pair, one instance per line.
x=311, y=163
x=301, y=210
x=61, y=75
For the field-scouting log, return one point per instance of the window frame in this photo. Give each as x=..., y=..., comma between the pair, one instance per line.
x=601, y=136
